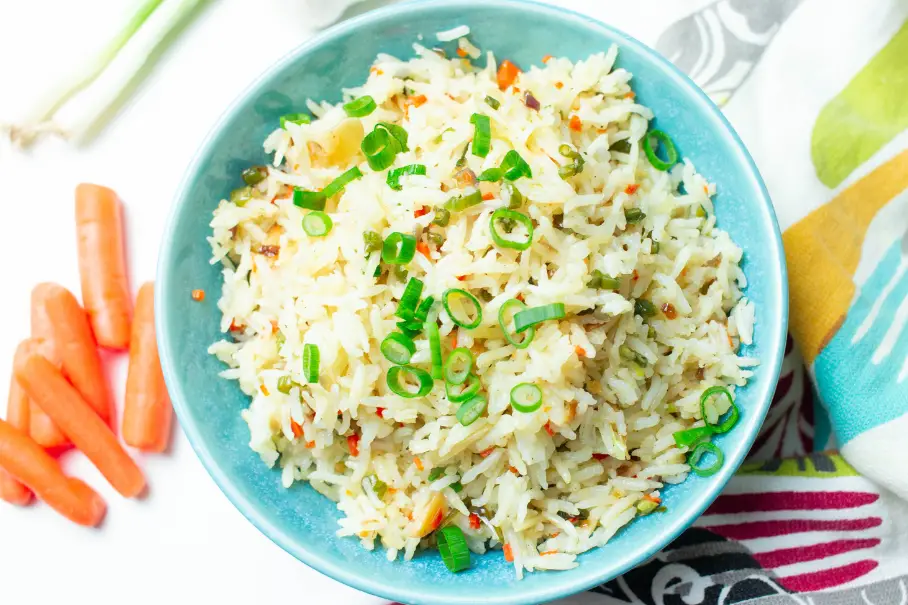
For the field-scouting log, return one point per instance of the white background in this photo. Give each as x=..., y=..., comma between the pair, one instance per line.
x=184, y=542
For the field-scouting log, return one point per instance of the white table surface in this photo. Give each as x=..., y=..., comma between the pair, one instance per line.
x=184, y=543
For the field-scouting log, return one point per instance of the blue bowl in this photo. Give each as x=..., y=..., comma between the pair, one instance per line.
x=302, y=521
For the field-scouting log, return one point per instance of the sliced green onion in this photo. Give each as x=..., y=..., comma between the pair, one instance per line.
x=491, y=175
x=515, y=166
x=406, y=309
x=436, y=473
x=462, y=202
x=380, y=148
x=443, y=216
x=453, y=548
x=696, y=455
x=295, y=118
x=671, y=154
x=436, y=238
x=360, y=107
x=503, y=322
x=633, y=215
x=422, y=311
x=482, y=134
x=431, y=329
x=654, y=248
x=733, y=413
x=457, y=486
x=397, y=348
x=284, y=384
x=379, y=487
x=338, y=184
x=256, y=174
x=394, y=175
x=493, y=102
x=458, y=366
x=317, y=224
x=526, y=397
x=310, y=363
x=568, y=151
x=690, y=437
x=309, y=200
x=241, y=196
x=372, y=241
x=644, y=308
x=504, y=214
x=397, y=374
x=457, y=393
x=535, y=315
x=470, y=411
x=410, y=327
x=451, y=297
x=601, y=281
x=398, y=132
x=511, y=196
x=398, y=248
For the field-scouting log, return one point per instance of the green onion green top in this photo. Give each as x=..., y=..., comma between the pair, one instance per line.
x=310, y=363
x=482, y=134
x=360, y=107
x=671, y=154
x=535, y=315
x=463, y=308
x=317, y=224
x=398, y=248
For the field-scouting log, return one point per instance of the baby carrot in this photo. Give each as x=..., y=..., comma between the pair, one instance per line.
x=26, y=461
x=75, y=346
x=47, y=387
x=147, y=417
x=41, y=428
x=17, y=415
x=102, y=264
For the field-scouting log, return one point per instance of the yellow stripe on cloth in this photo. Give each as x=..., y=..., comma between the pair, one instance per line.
x=823, y=250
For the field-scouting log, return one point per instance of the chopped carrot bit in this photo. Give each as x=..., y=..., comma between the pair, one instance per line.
x=508, y=553
x=380, y=412
x=353, y=444
x=600, y=456
x=706, y=189
x=461, y=52
x=520, y=297
x=575, y=124
x=630, y=95
x=669, y=310
x=556, y=534
x=548, y=429
x=631, y=189
x=653, y=498
x=235, y=327
x=474, y=521
x=635, y=276
x=514, y=470
x=438, y=519
x=310, y=445
x=548, y=552
x=264, y=390
x=198, y=295
x=274, y=327
x=454, y=338
x=487, y=452
x=573, y=520
x=547, y=58
x=579, y=350
x=507, y=74
x=296, y=428
x=559, y=85
x=417, y=101
x=418, y=462
x=488, y=196
x=461, y=277
x=420, y=212
x=423, y=247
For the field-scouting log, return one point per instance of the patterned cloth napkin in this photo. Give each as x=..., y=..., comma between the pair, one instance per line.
x=818, y=90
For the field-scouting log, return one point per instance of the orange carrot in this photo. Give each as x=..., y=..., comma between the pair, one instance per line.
x=423, y=248
x=148, y=414
x=575, y=124
x=474, y=521
x=508, y=553
x=296, y=428
x=24, y=459
x=74, y=345
x=102, y=264
x=41, y=427
x=488, y=196
x=353, y=444
x=17, y=414
x=631, y=189
x=507, y=74
x=559, y=85
x=47, y=387
x=198, y=295
x=547, y=58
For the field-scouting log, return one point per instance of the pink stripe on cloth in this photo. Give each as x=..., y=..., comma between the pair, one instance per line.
x=772, y=501
x=771, y=529
x=800, y=554
x=828, y=578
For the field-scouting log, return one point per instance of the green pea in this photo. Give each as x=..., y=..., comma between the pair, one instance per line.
x=255, y=175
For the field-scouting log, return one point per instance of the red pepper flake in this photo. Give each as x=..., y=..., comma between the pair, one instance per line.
x=380, y=412
x=514, y=470
x=631, y=189
x=669, y=310
x=438, y=519
x=559, y=85
x=420, y=212
x=235, y=327
x=488, y=196
x=296, y=428
x=635, y=276
x=462, y=277
x=548, y=428
x=652, y=498
x=264, y=390
x=487, y=452
x=418, y=463
x=474, y=521
x=573, y=520
x=198, y=295
x=600, y=456
x=520, y=297
x=547, y=58
x=423, y=247
x=508, y=553
x=575, y=124
x=353, y=444
x=461, y=52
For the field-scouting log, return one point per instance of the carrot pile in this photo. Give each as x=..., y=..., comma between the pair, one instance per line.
x=58, y=394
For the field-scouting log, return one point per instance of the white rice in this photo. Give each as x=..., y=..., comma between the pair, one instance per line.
x=531, y=480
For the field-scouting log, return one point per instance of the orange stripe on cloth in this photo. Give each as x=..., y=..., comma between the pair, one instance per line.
x=823, y=250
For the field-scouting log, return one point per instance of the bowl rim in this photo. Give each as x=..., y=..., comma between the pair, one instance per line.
x=582, y=577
